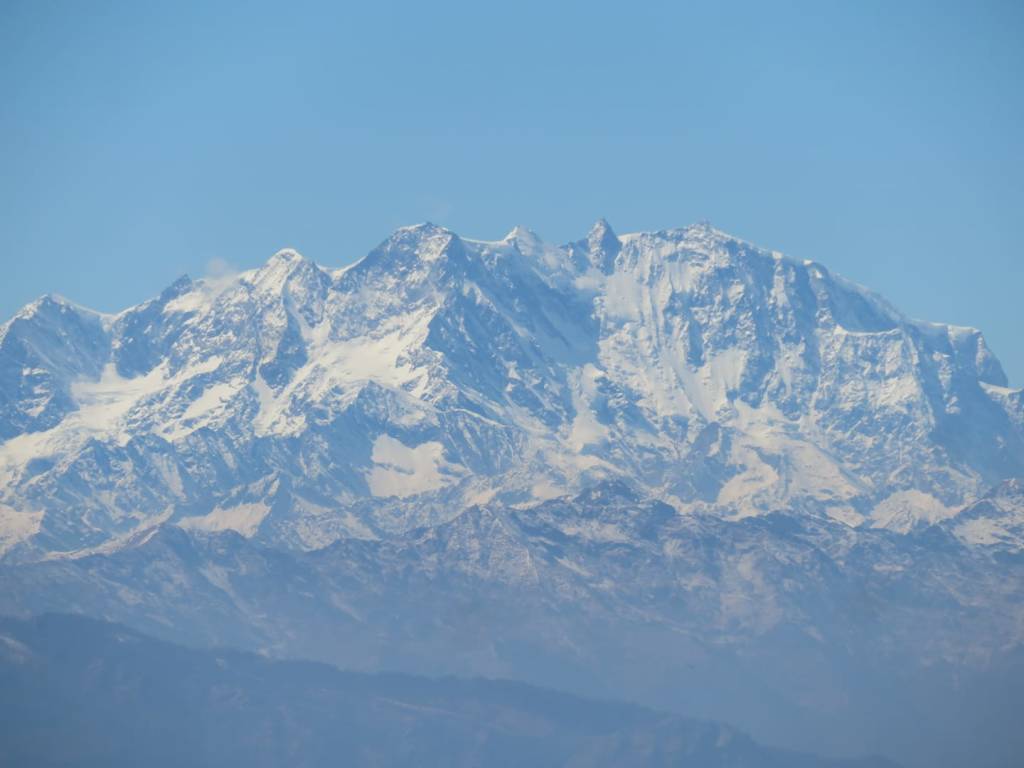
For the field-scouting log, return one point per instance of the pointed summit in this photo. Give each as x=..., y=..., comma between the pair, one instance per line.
x=598, y=250
x=284, y=267
x=602, y=236
x=521, y=233
x=288, y=261
x=408, y=248
x=56, y=304
x=424, y=228
x=279, y=266
x=282, y=264
x=703, y=228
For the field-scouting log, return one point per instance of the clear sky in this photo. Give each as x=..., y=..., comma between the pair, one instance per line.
x=139, y=141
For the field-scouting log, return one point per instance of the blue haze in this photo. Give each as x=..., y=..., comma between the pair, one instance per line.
x=881, y=139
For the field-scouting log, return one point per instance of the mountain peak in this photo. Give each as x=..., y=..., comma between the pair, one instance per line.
x=58, y=303
x=408, y=248
x=282, y=267
x=674, y=330
x=415, y=235
x=601, y=227
x=288, y=255
x=520, y=233
x=422, y=228
x=703, y=229
x=283, y=263
x=602, y=236
x=598, y=250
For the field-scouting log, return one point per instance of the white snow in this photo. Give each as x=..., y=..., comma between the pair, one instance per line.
x=595, y=530
x=207, y=409
x=901, y=510
x=337, y=365
x=243, y=518
x=103, y=405
x=400, y=470
x=586, y=429
x=683, y=337
x=981, y=532
x=17, y=526
x=623, y=297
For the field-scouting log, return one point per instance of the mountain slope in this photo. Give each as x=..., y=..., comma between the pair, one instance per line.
x=300, y=405
x=804, y=632
x=670, y=466
x=85, y=693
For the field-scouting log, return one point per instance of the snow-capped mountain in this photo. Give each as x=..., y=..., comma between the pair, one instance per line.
x=668, y=466
x=300, y=405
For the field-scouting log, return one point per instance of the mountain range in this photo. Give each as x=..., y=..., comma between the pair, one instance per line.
x=118, y=698
x=672, y=467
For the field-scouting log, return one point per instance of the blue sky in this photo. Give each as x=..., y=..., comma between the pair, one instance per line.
x=143, y=140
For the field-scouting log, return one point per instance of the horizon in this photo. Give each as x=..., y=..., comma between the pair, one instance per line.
x=143, y=143
x=221, y=271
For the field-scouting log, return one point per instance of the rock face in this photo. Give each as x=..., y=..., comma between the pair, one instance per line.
x=299, y=405
x=669, y=466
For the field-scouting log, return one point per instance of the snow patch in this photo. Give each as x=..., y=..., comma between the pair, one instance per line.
x=17, y=526
x=586, y=429
x=982, y=531
x=242, y=518
x=623, y=295
x=103, y=407
x=403, y=471
x=902, y=510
